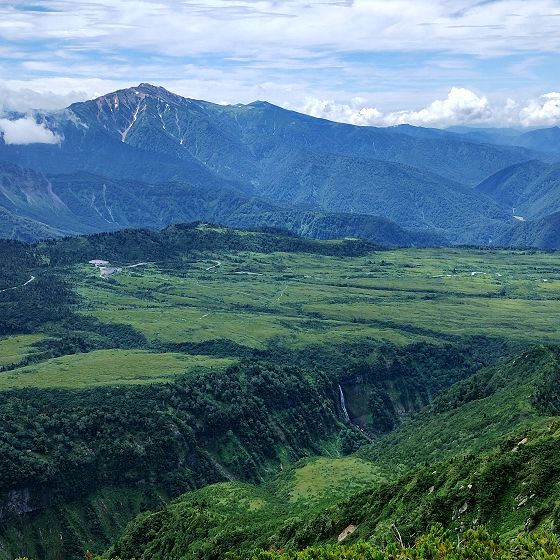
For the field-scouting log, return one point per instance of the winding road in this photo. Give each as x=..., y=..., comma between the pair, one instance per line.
x=20, y=286
x=215, y=265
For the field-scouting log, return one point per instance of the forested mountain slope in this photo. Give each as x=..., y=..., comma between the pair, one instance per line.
x=530, y=190
x=509, y=490
x=502, y=470
x=145, y=157
x=544, y=233
x=40, y=206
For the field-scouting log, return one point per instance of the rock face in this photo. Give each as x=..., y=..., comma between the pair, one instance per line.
x=16, y=502
x=348, y=531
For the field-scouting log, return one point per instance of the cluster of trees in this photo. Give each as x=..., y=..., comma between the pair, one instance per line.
x=25, y=309
x=184, y=239
x=511, y=489
x=17, y=259
x=546, y=398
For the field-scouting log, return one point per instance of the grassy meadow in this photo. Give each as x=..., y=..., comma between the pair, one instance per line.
x=106, y=367
x=396, y=296
x=296, y=300
x=14, y=348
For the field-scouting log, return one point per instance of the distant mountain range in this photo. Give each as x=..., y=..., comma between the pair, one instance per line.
x=544, y=140
x=145, y=157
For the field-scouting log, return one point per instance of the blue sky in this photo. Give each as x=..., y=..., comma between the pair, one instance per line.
x=431, y=62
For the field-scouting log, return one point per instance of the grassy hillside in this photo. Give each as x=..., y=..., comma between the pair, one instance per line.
x=219, y=518
x=513, y=488
x=15, y=348
x=107, y=367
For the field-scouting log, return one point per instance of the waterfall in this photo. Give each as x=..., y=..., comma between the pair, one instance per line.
x=347, y=416
x=343, y=405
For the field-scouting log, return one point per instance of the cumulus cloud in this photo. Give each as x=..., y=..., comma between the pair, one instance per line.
x=341, y=112
x=544, y=111
x=461, y=107
x=26, y=130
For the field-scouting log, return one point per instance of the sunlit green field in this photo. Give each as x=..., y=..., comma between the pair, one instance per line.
x=14, y=348
x=106, y=367
x=300, y=299
x=310, y=483
x=325, y=479
x=297, y=300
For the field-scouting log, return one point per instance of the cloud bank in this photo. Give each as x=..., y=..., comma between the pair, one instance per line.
x=543, y=112
x=461, y=107
x=26, y=131
x=24, y=97
x=287, y=27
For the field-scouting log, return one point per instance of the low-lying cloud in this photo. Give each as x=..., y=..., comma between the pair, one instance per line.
x=461, y=107
x=26, y=130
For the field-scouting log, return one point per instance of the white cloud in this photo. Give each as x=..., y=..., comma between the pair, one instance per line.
x=403, y=52
x=461, y=107
x=241, y=27
x=26, y=131
x=46, y=94
x=544, y=111
x=341, y=112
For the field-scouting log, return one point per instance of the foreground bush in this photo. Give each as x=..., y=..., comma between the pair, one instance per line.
x=436, y=545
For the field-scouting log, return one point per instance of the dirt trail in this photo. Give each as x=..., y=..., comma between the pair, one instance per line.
x=137, y=264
